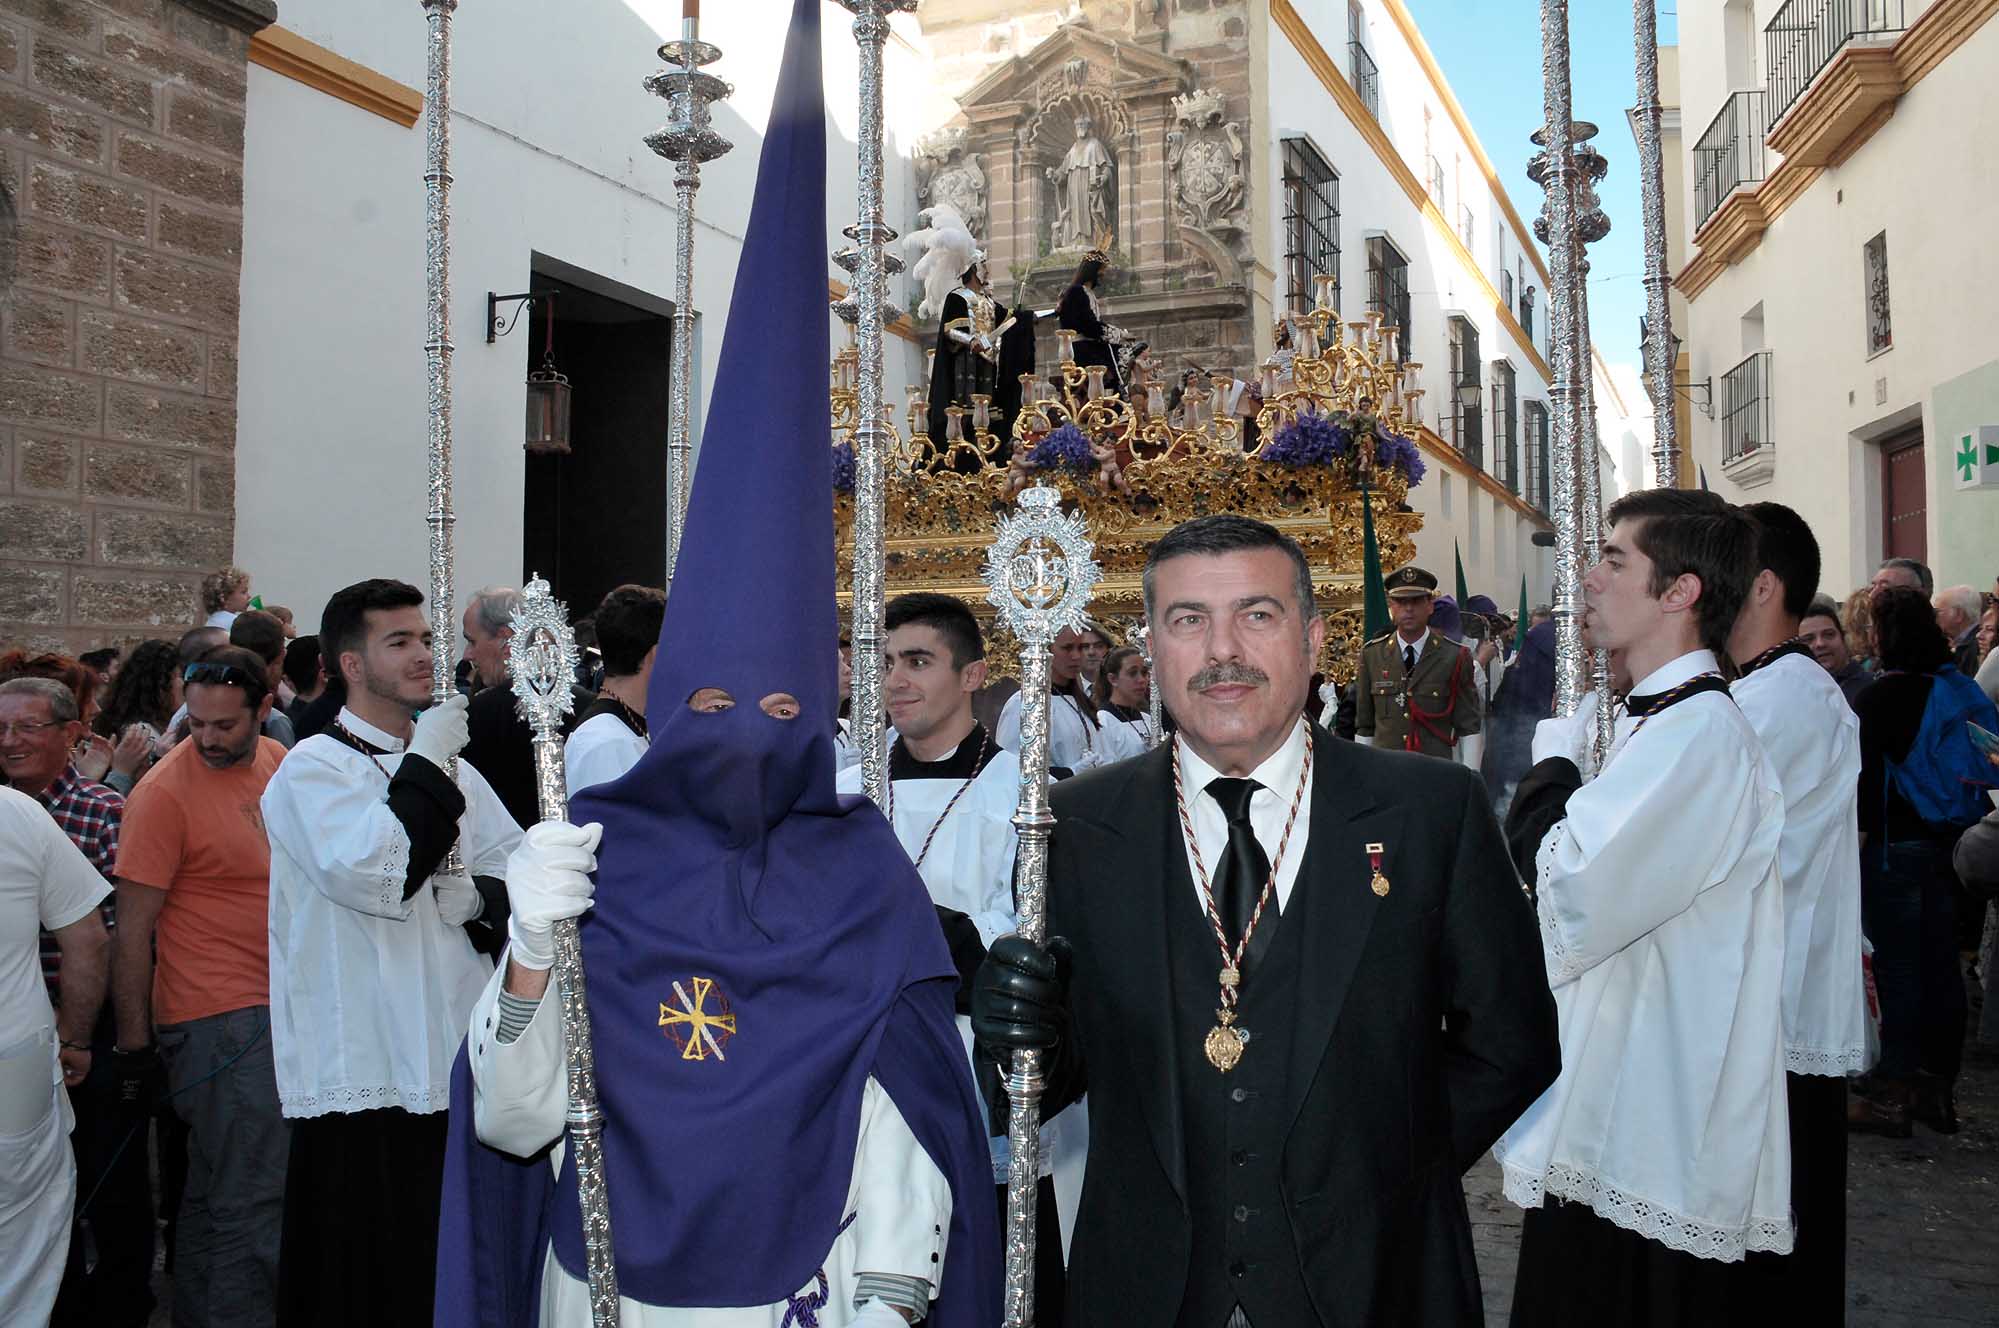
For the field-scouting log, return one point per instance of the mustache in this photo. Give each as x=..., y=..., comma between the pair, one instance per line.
x=1230, y=673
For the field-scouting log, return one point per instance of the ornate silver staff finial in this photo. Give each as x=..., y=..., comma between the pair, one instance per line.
x=1155, y=707
x=1039, y=574
x=542, y=656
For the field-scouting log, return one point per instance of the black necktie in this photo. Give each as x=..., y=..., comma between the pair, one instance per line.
x=1244, y=869
x=1408, y=659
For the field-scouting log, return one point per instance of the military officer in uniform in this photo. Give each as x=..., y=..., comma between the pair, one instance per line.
x=1418, y=689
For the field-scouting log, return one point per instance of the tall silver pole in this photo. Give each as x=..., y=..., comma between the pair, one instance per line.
x=871, y=234
x=1591, y=225
x=1659, y=367
x=1039, y=574
x=542, y=656
x=1155, y=706
x=1564, y=352
x=437, y=360
x=687, y=140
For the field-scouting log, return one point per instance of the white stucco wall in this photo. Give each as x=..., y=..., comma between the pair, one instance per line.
x=1458, y=513
x=1924, y=178
x=547, y=156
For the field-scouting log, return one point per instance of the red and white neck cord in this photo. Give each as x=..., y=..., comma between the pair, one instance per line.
x=978, y=767
x=1233, y=963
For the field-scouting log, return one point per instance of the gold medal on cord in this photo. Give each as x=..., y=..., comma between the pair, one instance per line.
x=1224, y=1041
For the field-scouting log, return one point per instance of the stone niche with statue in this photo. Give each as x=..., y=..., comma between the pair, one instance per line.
x=1129, y=125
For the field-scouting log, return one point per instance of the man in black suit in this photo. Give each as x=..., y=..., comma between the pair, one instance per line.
x=1291, y=1065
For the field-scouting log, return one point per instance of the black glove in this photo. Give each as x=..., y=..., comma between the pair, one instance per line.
x=138, y=1082
x=1021, y=996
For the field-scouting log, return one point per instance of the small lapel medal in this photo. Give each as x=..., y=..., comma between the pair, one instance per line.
x=1379, y=884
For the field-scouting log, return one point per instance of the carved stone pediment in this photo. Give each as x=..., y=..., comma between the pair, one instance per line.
x=1074, y=60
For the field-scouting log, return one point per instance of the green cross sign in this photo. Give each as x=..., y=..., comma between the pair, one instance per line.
x=1967, y=458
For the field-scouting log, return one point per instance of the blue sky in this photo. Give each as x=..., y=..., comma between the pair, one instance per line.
x=1490, y=51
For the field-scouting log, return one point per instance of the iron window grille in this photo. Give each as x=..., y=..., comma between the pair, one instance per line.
x=1366, y=77
x=1537, y=488
x=1745, y=407
x=1435, y=170
x=1527, y=312
x=1466, y=408
x=1388, y=290
x=1505, y=426
x=1311, y=223
x=1880, y=332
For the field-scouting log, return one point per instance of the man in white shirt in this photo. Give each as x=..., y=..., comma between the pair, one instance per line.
x=610, y=736
x=45, y=884
x=1077, y=739
x=1813, y=740
x=1660, y=1156
x=372, y=972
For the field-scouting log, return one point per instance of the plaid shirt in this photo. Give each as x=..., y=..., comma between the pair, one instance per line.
x=90, y=814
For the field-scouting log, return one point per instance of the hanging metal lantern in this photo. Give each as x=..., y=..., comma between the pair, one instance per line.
x=548, y=408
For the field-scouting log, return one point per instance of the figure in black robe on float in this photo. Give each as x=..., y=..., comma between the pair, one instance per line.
x=982, y=347
x=1097, y=342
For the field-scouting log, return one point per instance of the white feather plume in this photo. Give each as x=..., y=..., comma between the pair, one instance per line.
x=948, y=249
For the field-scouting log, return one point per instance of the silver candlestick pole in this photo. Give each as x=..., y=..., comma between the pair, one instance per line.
x=1557, y=231
x=871, y=235
x=542, y=657
x=687, y=140
x=1591, y=225
x=1039, y=575
x=1155, y=706
x=437, y=360
x=1659, y=366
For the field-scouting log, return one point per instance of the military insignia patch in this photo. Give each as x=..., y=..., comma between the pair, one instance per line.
x=698, y=1019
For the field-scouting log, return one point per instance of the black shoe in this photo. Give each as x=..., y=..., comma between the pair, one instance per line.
x=1935, y=1104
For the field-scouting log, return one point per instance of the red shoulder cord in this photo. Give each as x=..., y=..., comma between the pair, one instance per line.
x=1429, y=720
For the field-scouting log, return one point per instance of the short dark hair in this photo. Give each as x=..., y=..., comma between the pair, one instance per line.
x=1786, y=546
x=627, y=625
x=344, y=624
x=1823, y=607
x=259, y=633
x=243, y=664
x=303, y=665
x=198, y=641
x=102, y=658
x=1906, y=632
x=947, y=616
x=1694, y=532
x=1921, y=571
x=1225, y=532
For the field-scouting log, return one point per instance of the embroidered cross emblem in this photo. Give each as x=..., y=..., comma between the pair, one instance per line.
x=699, y=1032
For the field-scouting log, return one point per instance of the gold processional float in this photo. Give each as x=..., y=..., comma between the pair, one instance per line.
x=1332, y=421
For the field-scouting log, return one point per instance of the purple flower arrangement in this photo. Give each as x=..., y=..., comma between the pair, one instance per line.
x=1065, y=447
x=843, y=467
x=1327, y=440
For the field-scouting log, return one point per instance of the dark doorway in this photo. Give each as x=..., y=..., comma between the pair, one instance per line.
x=1905, y=496
x=595, y=518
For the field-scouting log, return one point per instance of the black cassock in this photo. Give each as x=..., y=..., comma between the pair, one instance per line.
x=1075, y=313
x=960, y=371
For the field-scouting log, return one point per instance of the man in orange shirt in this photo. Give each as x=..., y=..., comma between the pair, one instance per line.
x=193, y=887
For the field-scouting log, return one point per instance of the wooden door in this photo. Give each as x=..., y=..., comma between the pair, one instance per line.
x=1905, y=496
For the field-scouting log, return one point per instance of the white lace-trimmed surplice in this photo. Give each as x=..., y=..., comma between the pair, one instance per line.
x=1662, y=919
x=369, y=991
x=1073, y=742
x=1813, y=740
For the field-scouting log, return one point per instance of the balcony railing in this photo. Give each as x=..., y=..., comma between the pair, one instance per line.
x=1806, y=34
x=1745, y=407
x=1729, y=154
x=1366, y=78
x=1436, y=178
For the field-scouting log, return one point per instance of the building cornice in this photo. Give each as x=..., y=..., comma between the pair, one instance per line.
x=285, y=52
x=1433, y=442
x=1852, y=97
x=1302, y=40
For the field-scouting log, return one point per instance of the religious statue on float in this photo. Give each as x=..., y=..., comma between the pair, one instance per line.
x=1080, y=312
x=1083, y=189
x=982, y=347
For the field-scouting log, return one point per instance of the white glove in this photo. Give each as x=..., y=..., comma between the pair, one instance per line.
x=1559, y=736
x=1364, y=739
x=458, y=899
x=877, y=1313
x=1089, y=760
x=548, y=879
x=441, y=732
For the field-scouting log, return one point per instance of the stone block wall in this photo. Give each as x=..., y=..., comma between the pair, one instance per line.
x=121, y=155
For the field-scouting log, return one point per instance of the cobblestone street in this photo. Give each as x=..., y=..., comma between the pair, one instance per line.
x=1922, y=1220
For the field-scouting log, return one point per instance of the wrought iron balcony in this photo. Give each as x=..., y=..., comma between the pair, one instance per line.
x=1805, y=35
x=1366, y=78
x=1745, y=408
x=1730, y=154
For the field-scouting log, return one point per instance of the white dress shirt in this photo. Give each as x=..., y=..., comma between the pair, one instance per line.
x=369, y=991
x=1074, y=743
x=1269, y=809
x=1662, y=922
x=900, y=1201
x=1402, y=647
x=600, y=749
x=1813, y=740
